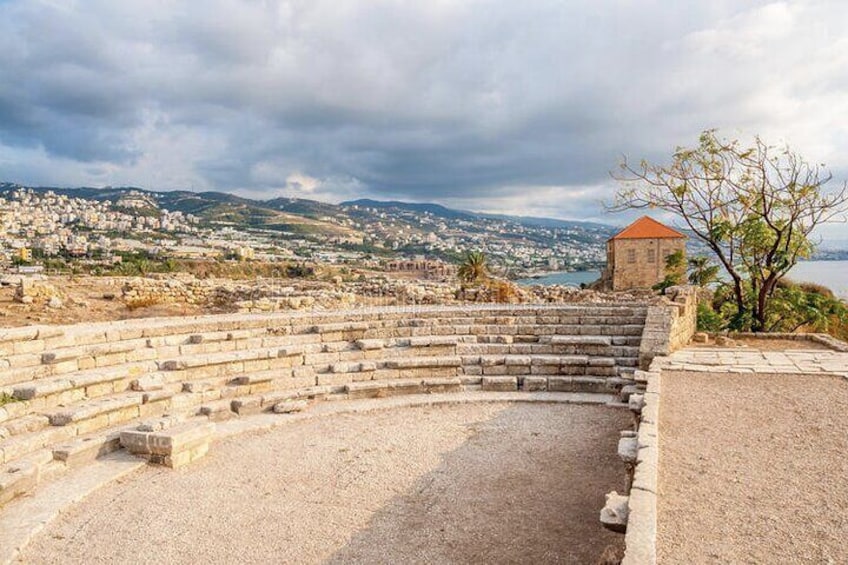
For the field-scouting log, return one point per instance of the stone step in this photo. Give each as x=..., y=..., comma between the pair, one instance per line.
x=64, y=360
x=194, y=361
x=573, y=365
x=218, y=410
x=379, y=389
x=17, y=479
x=431, y=341
x=90, y=416
x=424, y=362
x=114, y=331
x=587, y=384
x=83, y=450
x=21, y=445
x=252, y=382
x=25, y=424
x=83, y=384
x=578, y=340
x=63, y=367
x=546, y=349
x=125, y=404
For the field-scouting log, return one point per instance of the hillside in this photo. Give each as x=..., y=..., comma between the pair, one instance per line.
x=357, y=228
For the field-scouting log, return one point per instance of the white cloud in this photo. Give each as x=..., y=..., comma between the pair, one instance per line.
x=480, y=103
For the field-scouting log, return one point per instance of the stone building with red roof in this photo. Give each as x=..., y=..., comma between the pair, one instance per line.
x=636, y=255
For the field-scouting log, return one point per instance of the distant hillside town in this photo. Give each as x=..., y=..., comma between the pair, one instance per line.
x=104, y=227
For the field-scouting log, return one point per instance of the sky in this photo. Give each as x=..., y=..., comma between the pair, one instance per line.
x=501, y=106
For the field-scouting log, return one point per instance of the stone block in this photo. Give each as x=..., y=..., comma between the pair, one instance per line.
x=446, y=384
x=499, y=384
x=368, y=389
x=247, y=406
x=86, y=450
x=580, y=340
x=492, y=360
x=217, y=411
x=289, y=406
x=561, y=384
x=153, y=381
x=251, y=379
x=423, y=362
x=518, y=360
x=17, y=479
x=636, y=402
x=627, y=390
x=180, y=438
x=535, y=384
x=370, y=344
x=628, y=448
x=333, y=379
x=615, y=511
x=43, y=388
x=198, y=386
x=182, y=458
x=303, y=372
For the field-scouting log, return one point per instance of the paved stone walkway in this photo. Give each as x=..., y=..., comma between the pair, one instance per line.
x=736, y=360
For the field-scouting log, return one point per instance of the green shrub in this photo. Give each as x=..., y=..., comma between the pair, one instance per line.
x=708, y=319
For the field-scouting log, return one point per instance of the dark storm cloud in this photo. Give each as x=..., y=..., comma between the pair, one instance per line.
x=520, y=106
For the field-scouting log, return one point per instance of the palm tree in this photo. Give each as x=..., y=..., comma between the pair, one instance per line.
x=702, y=272
x=474, y=268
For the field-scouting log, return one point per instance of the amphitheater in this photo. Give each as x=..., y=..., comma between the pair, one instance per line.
x=482, y=433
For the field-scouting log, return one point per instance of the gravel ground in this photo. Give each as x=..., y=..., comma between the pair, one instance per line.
x=478, y=483
x=753, y=469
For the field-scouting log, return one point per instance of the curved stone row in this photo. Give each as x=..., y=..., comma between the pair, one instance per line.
x=69, y=391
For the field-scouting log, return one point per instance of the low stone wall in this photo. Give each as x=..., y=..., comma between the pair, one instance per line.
x=670, y=324
x=274, y=295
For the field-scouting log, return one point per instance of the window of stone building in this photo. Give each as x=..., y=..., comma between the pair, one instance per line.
x=652, y=255
x=631, y=255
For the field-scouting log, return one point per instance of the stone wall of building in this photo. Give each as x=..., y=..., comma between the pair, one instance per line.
x=640, y=263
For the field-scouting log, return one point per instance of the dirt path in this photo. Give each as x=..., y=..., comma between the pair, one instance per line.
x=481, y=483
x=753, y=469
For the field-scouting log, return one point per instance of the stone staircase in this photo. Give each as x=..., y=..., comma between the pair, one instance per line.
x=69, y=391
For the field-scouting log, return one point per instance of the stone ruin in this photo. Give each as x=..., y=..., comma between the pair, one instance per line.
x=156, y=387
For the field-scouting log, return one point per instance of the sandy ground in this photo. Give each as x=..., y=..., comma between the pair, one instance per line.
x=84, y=299
x=480, y=483
x=753, y=469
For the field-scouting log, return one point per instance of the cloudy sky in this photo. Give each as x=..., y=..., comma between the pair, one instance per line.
x=487, y=105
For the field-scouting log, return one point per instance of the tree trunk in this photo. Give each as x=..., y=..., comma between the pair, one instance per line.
x=760, y=311
x=737, y=291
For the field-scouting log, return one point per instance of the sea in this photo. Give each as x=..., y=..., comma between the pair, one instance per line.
x=832, y=274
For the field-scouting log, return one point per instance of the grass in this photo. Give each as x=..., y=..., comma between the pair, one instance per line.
x=6, y=398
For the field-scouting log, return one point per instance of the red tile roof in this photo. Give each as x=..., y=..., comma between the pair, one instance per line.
x=647, y=228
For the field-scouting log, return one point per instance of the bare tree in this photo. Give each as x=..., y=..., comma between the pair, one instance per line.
x=755, y=207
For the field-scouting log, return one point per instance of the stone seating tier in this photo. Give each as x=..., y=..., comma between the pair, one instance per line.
x=75, y=387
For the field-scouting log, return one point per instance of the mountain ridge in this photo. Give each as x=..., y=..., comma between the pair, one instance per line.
x=193, y=202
